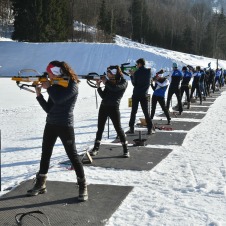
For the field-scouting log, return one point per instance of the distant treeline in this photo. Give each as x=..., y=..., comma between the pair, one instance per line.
x=190, y=26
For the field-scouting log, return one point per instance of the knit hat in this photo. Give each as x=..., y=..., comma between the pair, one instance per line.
x=53, y=69
x=174, y=65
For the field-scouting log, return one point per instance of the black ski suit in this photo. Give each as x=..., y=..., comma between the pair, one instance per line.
x=141, y=82
x=60, y=123
x=111, y=97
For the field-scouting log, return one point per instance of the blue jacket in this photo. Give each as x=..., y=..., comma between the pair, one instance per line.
x=196, y=77
x=141, y=81
x=218, y=73
x=202, y=76
x=186, y=78
x=176, y=78
x=60, y=104
x=160, y=88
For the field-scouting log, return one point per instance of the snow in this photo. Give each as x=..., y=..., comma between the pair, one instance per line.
x=186, y=188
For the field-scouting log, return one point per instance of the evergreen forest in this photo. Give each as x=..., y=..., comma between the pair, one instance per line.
x=191, y=26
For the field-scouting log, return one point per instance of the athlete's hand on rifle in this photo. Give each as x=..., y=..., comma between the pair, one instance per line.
x=131, y=72
x=38, y=89
x=98, y=83
x=104, y=80
x=46, y=84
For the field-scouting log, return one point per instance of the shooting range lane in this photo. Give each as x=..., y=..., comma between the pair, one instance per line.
x=62, y=208
x=196, y=108
x=188, y=115
x=176, y=125
x=141, y=158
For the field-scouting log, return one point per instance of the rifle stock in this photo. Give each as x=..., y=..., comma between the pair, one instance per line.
x=127, y=69
x=92, y=76
x=37, y=80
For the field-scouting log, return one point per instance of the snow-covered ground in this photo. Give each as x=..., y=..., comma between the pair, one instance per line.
x=186, y=188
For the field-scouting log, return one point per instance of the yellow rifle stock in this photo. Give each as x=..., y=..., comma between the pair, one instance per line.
x=37, y=80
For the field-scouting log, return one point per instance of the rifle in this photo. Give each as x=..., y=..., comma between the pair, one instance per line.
x=190, y=68
x=37, y=80
x=126, y=69
x=92, y=76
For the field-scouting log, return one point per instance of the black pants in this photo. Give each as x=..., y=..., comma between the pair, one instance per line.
x=114, y=114
x=176, y=91
x=186, y=90
x=67, y=136
x=218, y=79
x=161, y=101
x=213, y=85
x=197, y=87
x=207, y=88
x=143, y=100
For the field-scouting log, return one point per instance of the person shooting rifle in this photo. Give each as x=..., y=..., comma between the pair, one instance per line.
x=59, y=108
x=159, y=87
x=111, y=94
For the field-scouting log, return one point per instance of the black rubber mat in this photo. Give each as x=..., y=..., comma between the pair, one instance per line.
x=209, y=100
x=186, y=115
x=61, y=206
x=198, y=108
x=159, y=138
x=215, y=95
x=176, y=125
x=141, y=158
x=212, y=99
x=204, y=103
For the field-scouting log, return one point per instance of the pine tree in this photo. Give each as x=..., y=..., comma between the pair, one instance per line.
x=21, y=29
x=139, y=20
x=41, y=20
x=101, y=24
x=187, y=41
x=136, y=15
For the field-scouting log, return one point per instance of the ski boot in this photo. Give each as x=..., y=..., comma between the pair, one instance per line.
x=188, y=105
x=151, y=130
x=39, y=187
x=95, y=149
x=130, y=131
x=83, y=192
x=125, y=150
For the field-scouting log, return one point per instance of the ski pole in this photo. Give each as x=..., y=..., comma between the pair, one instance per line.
x=96, y=99
x=108, y=127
